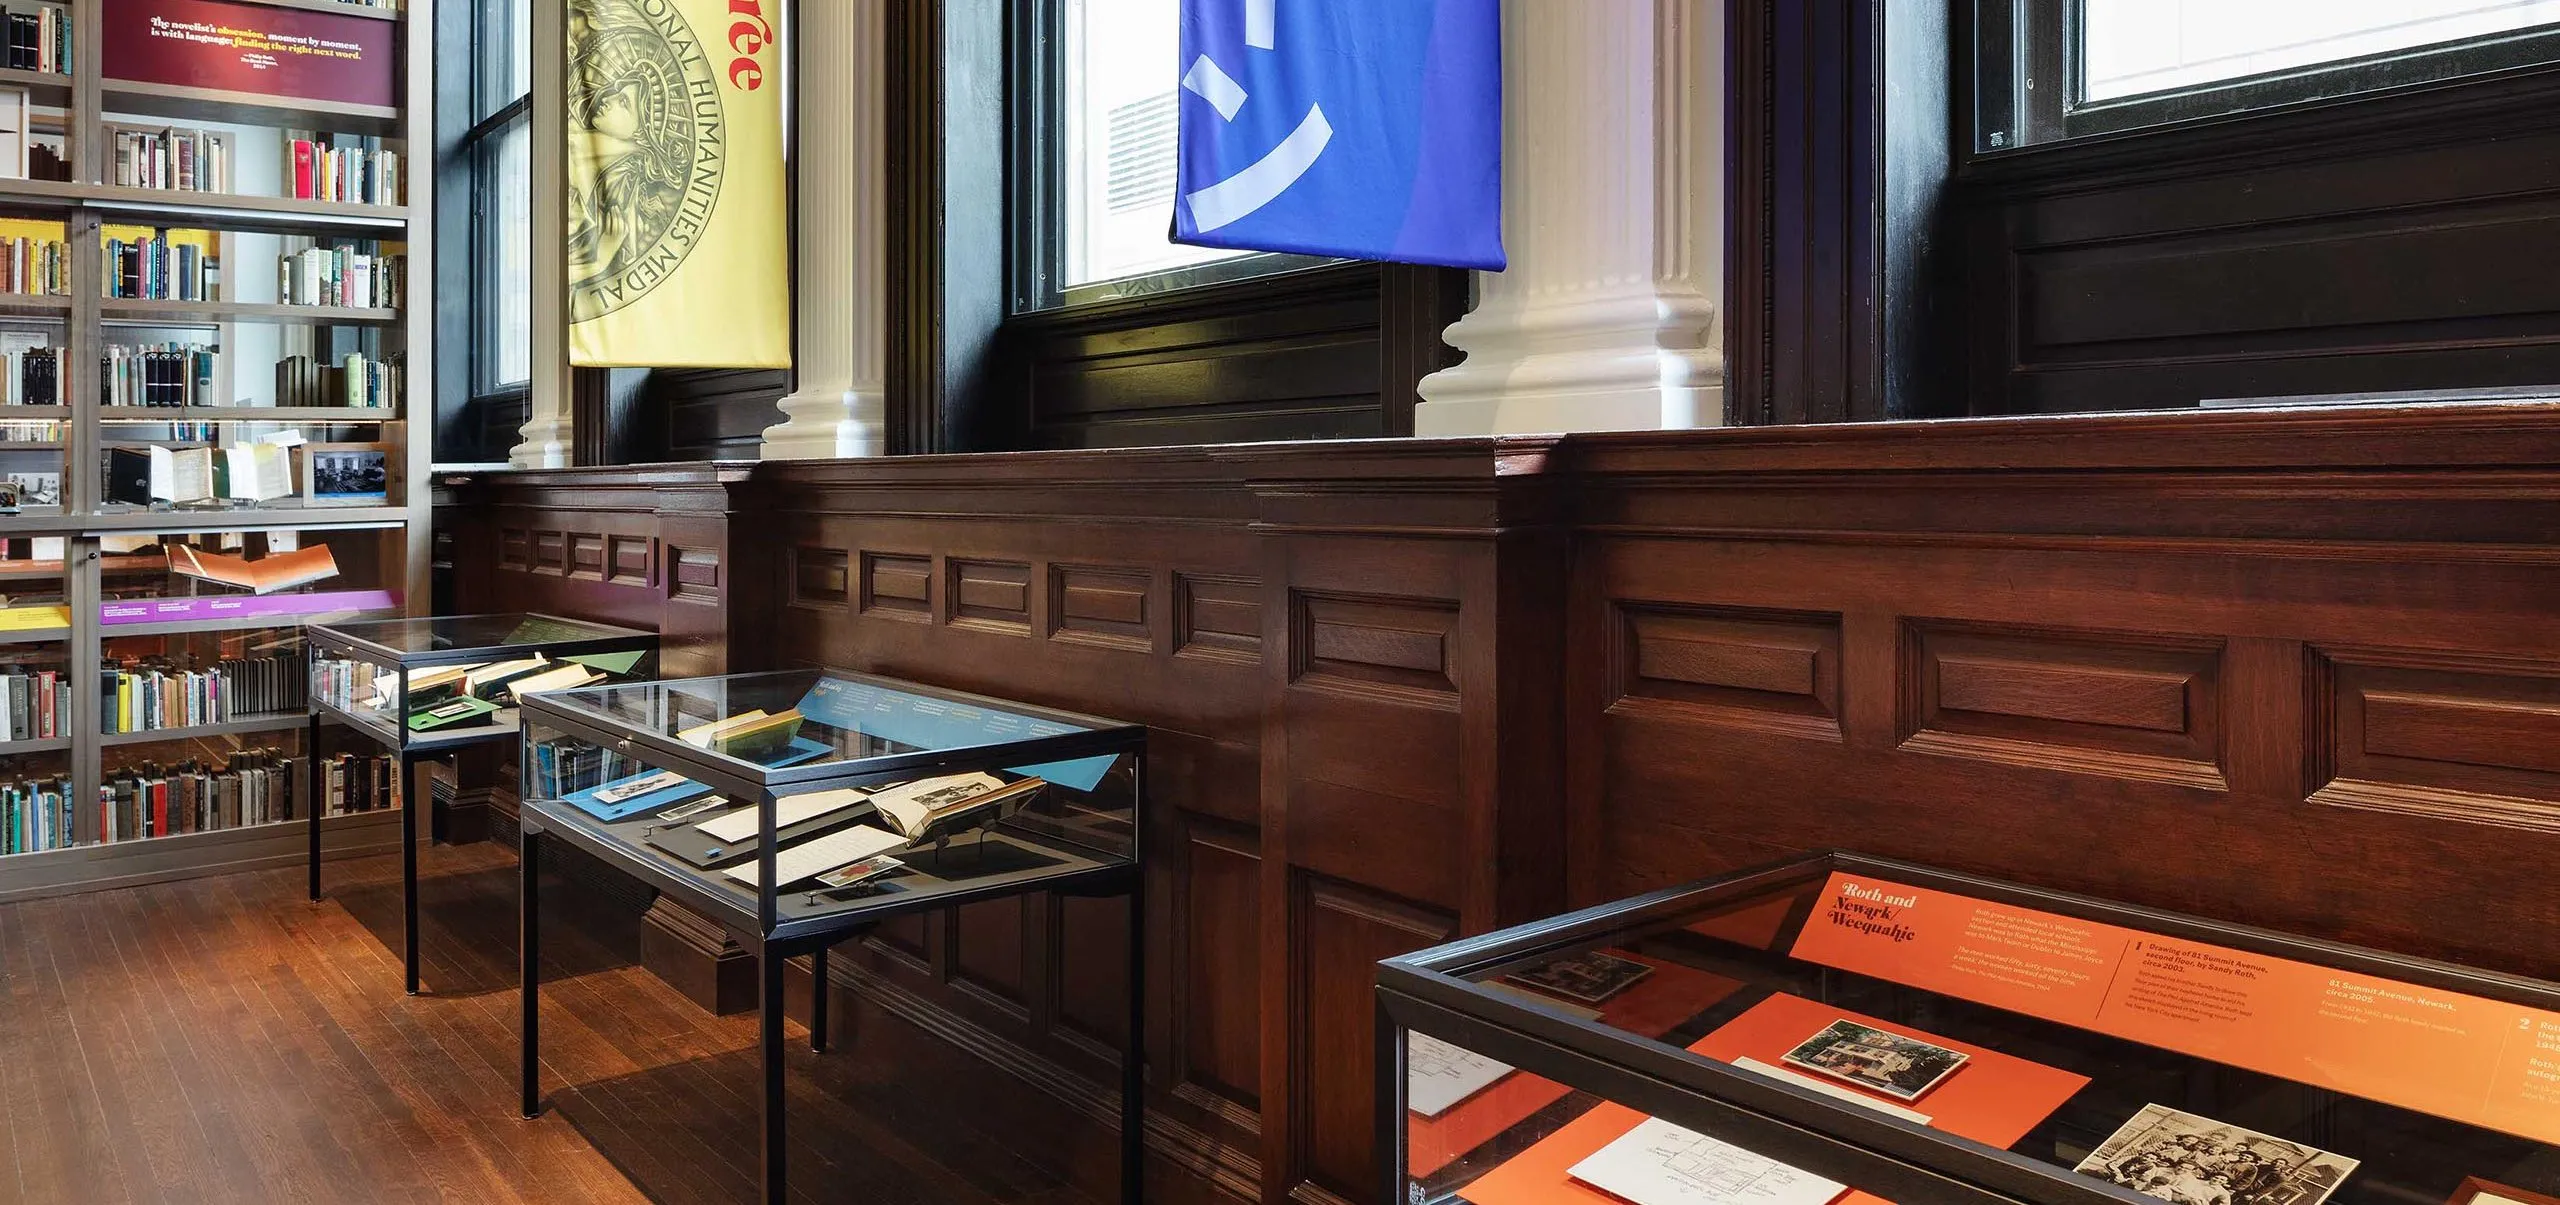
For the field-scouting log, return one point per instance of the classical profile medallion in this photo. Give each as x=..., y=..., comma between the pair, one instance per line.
x=647, y=149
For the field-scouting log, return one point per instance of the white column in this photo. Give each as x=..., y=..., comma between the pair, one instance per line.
x=1613, y=198
x=548, y=418
x=837, y=407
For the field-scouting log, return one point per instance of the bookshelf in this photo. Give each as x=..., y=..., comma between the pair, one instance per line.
x=208, y=721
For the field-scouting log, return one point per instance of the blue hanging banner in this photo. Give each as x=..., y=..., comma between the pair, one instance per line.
x=1366, y=129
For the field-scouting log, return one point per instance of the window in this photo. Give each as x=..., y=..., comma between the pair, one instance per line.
x=1099, y=166
x=499, y=149
x=2061, y=69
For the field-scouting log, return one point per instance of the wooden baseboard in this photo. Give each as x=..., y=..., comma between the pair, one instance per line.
x=697, y=958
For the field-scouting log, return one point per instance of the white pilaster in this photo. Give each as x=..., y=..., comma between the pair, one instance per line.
x=1613, y=194
x=547, y=442
x=837, y=406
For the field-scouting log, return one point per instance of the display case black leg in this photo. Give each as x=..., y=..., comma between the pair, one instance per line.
x=818, y=1000
x=311, y=796
x=529, y=970
x=408, y=875
x=1389, y=1069
x=769, y=1021
x=1133, y=1063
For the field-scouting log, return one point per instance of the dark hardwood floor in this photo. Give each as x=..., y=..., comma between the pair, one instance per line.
x=227, y=1040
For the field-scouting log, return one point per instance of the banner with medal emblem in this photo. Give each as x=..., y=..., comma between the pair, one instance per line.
x=677, y=230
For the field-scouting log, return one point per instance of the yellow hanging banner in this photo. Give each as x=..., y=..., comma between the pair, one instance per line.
x=677, y=240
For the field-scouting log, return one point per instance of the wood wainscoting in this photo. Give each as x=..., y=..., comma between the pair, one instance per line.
x=2297, y=669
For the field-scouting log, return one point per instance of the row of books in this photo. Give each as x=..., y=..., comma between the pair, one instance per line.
x=250, y=787
x=39, y=36
x=33, y=704
x=35, y=815
x=156, y=374
x=35, y=267
x=342, y=167
x=565, y=766
x=31, y=376
x=185, y=160
x=151, y=697
x=154, y=269
x=348, y=276
x=30, y=431
x=359, y=381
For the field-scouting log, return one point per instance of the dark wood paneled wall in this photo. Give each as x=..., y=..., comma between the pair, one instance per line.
x=2292, y=669
x=2387, y=244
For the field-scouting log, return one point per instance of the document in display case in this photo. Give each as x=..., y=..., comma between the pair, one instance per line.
x=423, y=688
x=1846, y=1029
x=799, y=808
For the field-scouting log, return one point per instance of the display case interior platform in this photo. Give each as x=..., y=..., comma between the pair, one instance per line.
x=424, y=687
x=797, y=809
x=1847, y=1029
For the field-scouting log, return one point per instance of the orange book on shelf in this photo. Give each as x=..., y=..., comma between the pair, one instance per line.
x=276, y=571
x=1993, y=1099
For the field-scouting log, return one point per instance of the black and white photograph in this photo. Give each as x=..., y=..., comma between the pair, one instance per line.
x=349, y=474
x=1897, y=1066
x=37, y=489
x=2191, y=1160
x=1589, y=977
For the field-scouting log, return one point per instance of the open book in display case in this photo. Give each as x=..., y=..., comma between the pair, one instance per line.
x=421, y=688
x=799, y=808
x=1845, y=1030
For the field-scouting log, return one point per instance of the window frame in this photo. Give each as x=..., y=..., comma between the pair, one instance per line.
x=476, y=418
x=2019, y=42
x=1035, y=218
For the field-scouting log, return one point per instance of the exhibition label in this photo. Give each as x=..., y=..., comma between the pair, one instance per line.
x=2470, y=1059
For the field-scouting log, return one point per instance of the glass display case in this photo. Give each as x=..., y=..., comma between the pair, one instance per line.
x=1850, y=1029
x=798, y=808
x=424, y=687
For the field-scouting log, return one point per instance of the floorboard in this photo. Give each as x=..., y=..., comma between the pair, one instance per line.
x=228, y=1040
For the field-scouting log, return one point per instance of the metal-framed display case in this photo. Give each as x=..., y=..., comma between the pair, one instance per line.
x=423, y=688
x=799, y=808
x=1847, y=1028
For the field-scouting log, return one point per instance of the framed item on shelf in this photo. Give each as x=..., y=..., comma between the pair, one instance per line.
x=346, y=474
x=17, y=129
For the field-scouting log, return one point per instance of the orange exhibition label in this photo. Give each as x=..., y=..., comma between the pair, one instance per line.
x=2484, y=1062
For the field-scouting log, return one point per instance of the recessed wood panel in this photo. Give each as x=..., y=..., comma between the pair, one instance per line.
x=1767, y=667
x=551, y=552
x=586, y=555
x=1101, y=606
x=1219, y=1002
x=897, y=586
x=991, y=596
x=1092, y=983
x=1372, y=641
x=2474, y=738
x=2132, y=705
x=986, y=949
x=629, y=559
x=818, y=576
x=1344, y=931
x=1219, y=618
x=515, y=548
x=695, y=573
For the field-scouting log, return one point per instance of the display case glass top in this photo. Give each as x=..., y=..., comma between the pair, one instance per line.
x=1850, y=1029
x=840, y=723
x=793, y=803
x=466, y=636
